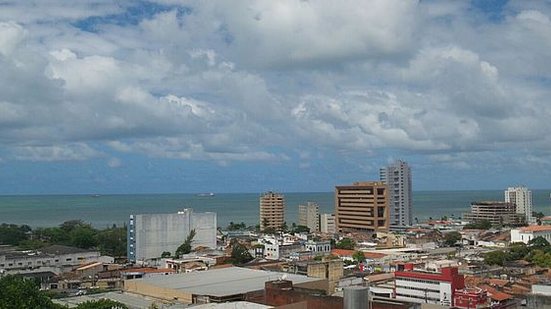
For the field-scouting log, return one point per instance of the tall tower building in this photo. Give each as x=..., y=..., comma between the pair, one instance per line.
x=309, y=215
x=272, y=210
x=362, y=206
x=522, y=198
x=327, y=223
x=397, y=176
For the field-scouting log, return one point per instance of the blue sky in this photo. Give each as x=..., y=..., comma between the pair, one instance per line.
x=246, y=96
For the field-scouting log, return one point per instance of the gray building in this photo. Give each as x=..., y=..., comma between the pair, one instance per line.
x=309, y=215
x=149, y=235
x=397, y=176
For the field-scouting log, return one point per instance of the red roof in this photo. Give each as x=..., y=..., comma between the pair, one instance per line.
x=495, y=294
x=536, y=228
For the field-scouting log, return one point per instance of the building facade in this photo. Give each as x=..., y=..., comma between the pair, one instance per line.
x=149, y=235
x=327, y=223
x=397, y=176
x=522, y=198
x=272, y=210
x=362, y=206
x=309, y=216
x=527, y=233
x=428, y=287
x=496, y=212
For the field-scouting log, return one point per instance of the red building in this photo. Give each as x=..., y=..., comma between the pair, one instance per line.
x=421, y=286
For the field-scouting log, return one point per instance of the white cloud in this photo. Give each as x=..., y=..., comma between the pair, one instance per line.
x=68, y=152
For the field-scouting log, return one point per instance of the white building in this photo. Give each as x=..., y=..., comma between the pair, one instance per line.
x=149, y=235
x=327, y=223
x=397, y=176
x=522, y=198
x=309, y=216
x=527, y=233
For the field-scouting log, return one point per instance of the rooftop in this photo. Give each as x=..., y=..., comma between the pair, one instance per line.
x=535, y=228
x=222, y=282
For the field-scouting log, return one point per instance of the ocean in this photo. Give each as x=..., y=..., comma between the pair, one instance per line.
x=105, y=210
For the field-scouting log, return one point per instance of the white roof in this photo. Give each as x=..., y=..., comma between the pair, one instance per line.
x=222, y=282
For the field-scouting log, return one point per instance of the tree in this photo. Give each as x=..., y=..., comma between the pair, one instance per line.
x=480, y=225
x=240, y=254
x=284, y=227
x=538, y=243
x=301, y=229
x=166, y=254
x=83, y=236
x=538, y=215
x=185, y=248
x=12, y=234
x=358, y=256
x=112, y=241
x=495, y=258
x=101, y=304
x=346, y=243
x=518, y=251
x=20, y=293
x=451, y=238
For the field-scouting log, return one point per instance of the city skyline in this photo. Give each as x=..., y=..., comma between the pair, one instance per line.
x=292, y=96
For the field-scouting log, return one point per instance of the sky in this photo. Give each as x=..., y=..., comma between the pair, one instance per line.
x=176, y=96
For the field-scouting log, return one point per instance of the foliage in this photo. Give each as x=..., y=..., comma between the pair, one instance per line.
x=101, y=304
x=236, y=226
x=12, y=234
x=166, y=254
x=185, y=248
x=20, y=293
x=495, y=257
x=358, y=256
x=538, y=243
x=112, y=241
x=518, y=251
x=240, y=254
x=451, y=238
x=540, y=258
x=346, y=243
x=284, y=227
x=269, y=230
x=301, y=229
x=318, y=257
x=538, y=215
x=480, y=225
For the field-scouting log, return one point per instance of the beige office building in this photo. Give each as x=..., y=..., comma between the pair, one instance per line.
x=327, y=223
x=309, y=215
x=496, y=212
x=272, y=210
x=362, y=206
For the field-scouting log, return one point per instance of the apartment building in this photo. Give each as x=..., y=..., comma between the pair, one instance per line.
x=272, y=210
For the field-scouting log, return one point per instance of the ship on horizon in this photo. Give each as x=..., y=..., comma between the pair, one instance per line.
x=205, y=194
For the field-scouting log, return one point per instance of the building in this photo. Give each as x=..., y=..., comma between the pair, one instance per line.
x=309, y=216
x=496, y=212
x=149, y=235
x=327, y=223
x=527, y=233
x=397, y=176
x=471, y=298
x=214, y=286
x=56, y=258
x=522, y=198
x=420, y=286
x=362, y=206
x=272, y=210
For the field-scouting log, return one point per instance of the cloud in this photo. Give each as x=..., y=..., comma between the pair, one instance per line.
x=260, y=81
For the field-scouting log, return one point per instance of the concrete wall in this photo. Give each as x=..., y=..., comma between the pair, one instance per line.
x=141, y=288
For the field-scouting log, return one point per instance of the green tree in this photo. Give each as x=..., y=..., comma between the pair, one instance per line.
x=240, y=254
x=301, y=229
x=185, y=248
x=451, y=238
x=101, y=304
x=83, y=236
x=538, y=243
x=284, y=227
x=346, y=243
x=495, y=258
x=20, y=293
x=518, y=251
x=112, y=241
x=12, y=234
x=358, y=256
x=480, y=225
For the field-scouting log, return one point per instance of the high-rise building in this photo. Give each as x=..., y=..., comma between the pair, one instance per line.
x=327, y=223
x=498, y=213
x=522, y=198
x=309, y=215
x=149, y=235
x=397, y=176
x=272, y=210
x=362, y=206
